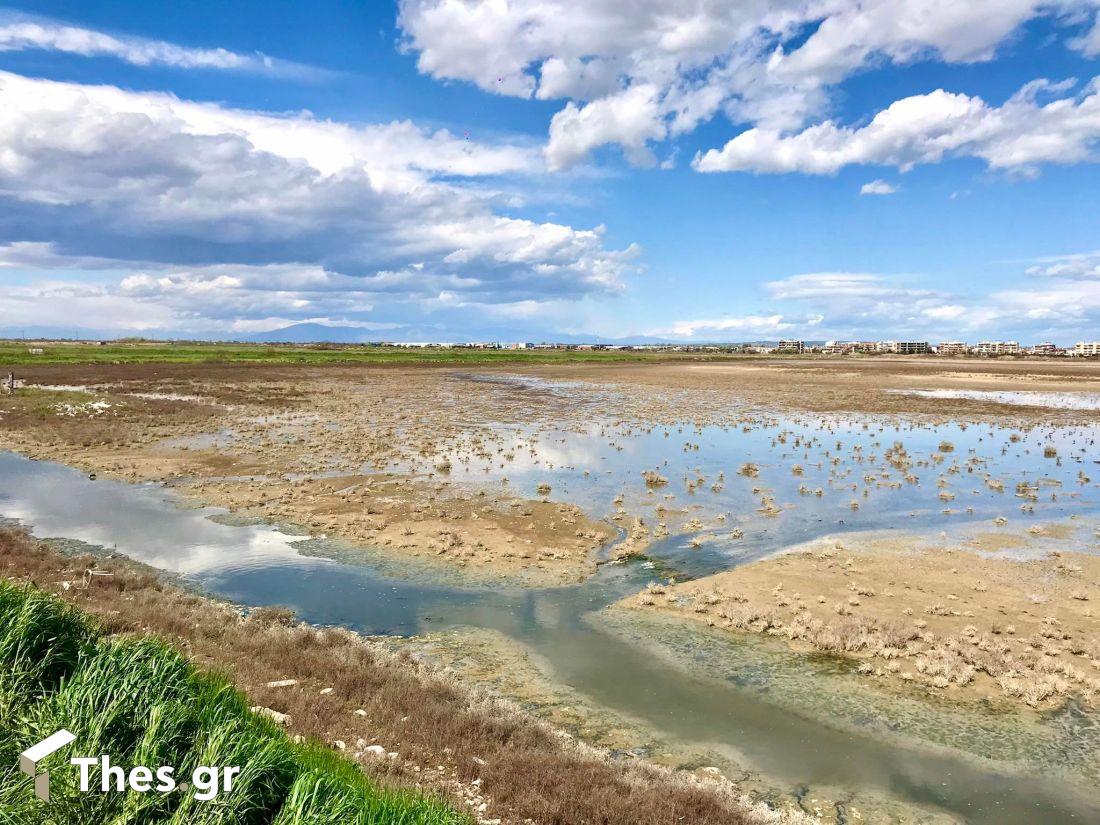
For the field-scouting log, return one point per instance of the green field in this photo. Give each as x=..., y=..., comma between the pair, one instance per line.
x=23, y=353
x=143, y=703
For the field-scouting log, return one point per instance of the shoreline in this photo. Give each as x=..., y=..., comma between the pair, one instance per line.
x=339, y=687
x=943, y=617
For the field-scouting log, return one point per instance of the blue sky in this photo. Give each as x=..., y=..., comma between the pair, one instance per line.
x=468, y=169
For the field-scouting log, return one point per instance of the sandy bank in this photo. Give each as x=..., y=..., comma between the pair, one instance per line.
x=938, y=616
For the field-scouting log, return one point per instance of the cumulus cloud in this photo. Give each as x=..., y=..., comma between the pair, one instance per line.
x=877, y=187
x=220, y=212
x=1021, y=134
x=630, y=118
x=24, y=33
x=768, y=62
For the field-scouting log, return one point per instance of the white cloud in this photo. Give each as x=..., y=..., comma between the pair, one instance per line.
x=24, y=33
x=945, y=312
x=861, y=303
x=1021, y=134
x=67, y=303
x=1084, y=266
x=877, y=187
x=223, y=213
x=1089, y=42
x=842, y=286
x=746, y=325
x=1061, y=303
x=751, y=60
x=630, y=118
x=854, y=305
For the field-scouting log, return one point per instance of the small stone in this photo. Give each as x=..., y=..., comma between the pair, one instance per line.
x=274, y=715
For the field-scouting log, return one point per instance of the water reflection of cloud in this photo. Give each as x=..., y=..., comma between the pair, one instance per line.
x=1022, y=398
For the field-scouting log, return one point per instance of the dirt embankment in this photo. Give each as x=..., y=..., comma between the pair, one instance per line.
x=938, y=616
x=407, y=726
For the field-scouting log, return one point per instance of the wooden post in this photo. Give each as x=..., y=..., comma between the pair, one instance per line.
x=11, y=383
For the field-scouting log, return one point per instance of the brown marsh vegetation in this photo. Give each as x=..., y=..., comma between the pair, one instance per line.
x=336, y=687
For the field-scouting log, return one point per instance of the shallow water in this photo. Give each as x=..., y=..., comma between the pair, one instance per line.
x=801, y=720
x=1021, y=398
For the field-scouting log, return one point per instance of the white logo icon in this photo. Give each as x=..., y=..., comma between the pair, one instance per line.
x=29, y=759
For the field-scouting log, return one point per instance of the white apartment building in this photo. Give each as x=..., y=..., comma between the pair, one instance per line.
x=952, y=348
x=1044, y=348
x=997, y=348
x=1086, y=349
x=791, y=346
x=904, y=347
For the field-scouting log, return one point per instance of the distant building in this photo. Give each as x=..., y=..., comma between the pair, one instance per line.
x=838, y=347
x=791, y=346
x=952, y=348
x=903, y=347
x=911, y=347
x=997, y=348
x=1045, y=348
x=1086, y=349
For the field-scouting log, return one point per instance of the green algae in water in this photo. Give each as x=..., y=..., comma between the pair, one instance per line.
x=1065, y=740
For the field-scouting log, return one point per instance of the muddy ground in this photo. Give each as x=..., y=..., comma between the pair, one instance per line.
x=360, y=453
x=940, y=616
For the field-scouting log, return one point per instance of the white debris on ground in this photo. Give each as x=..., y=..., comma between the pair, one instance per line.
x=89, y=409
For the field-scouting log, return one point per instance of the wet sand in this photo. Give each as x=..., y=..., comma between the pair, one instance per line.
x=945, y=617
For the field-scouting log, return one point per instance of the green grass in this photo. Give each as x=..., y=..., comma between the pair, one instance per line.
x=143, y=703
x=16, y=353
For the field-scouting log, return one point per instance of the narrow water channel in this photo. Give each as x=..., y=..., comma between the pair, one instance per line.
x=257, y=565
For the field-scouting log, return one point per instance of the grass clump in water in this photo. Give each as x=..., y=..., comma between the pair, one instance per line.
x=140, y=701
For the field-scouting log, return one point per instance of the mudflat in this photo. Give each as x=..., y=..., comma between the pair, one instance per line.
x=946, y=618
x=930, y=521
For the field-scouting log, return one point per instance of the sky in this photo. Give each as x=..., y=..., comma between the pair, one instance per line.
x=456, y=170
